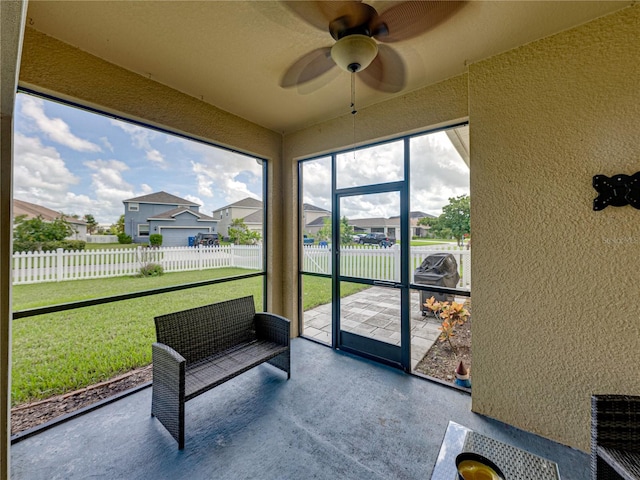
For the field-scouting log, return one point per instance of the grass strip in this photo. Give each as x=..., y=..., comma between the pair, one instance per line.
x=60, y=352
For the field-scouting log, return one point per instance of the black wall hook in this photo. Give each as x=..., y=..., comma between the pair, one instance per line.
x=617, y=191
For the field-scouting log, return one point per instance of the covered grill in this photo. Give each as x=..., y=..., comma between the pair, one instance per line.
x=439, y=269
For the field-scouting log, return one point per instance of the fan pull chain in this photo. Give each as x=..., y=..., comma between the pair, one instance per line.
x=353, y=110
x=353, y=94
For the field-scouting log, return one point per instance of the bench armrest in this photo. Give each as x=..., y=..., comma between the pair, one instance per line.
x=273, y=327
x=168, y=366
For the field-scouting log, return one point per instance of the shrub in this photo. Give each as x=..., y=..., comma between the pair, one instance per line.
x=25, y=246
x=151, y=270
x=452, y=315
x=155, y=240
x=123, y=238
x=73, y=244
x=47, y=246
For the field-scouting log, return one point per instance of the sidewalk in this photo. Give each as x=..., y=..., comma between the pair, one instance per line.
x=375, y=313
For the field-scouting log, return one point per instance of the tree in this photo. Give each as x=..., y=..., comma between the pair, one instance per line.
x=457, y=217
x=433, y=224
x=92, y=225
x=118, y=227
x=240, y=234
x=325, y=231
x=346, y=230
x=38, y=231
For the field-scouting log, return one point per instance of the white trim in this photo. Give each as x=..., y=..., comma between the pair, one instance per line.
x=131, y=205
x=160, y=228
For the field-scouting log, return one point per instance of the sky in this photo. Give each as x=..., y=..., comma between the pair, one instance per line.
x=79, y=162
x=437, y=174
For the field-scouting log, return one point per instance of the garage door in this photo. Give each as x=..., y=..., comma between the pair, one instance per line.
x=179, y=237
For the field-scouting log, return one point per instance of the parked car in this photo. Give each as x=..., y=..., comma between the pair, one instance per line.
x=377, y=239
x=308, y=240
x=209, y=239
x=356, y=237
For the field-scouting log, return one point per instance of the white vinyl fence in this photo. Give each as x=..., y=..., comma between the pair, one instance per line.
x=382, y=263
x=102, y=239
x=36, y=267
x=369, y=262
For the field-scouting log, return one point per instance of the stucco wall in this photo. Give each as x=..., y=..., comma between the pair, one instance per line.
x=556, y=315
x=53, y=67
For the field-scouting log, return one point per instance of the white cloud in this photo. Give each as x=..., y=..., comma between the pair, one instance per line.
x=109, y=188
x=105, y=141
x=225, y=176
x=141, y=138
x=39, y=170
x=146, y=189
x=155, y=156
x=194, y=199
x=437, y=174
x=55, y=129
x=41, y=177
x=317, y=182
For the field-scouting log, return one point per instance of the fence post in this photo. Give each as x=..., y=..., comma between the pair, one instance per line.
x=396, y=263
x=232, y=259
x=59, y=266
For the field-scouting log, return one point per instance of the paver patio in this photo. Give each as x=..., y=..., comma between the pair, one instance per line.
x=375, y=313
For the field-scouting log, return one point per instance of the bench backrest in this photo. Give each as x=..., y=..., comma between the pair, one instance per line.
x=199, y=332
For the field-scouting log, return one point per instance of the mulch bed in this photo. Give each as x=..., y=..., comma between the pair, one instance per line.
x=441, y=362
x=30, y=415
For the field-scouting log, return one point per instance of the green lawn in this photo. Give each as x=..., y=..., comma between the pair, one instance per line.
x=431, y=241
x=60, y=352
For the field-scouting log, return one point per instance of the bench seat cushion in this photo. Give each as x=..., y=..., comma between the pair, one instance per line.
x=212, y=371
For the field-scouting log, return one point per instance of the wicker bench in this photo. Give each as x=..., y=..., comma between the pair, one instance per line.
x=200, y=348
x=615, y=437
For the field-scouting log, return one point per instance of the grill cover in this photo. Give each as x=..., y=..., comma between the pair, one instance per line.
x=439, y=269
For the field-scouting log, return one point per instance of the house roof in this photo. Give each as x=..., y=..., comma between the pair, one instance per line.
x=31, y=210
x=307, y=207
x=248, y=202
x=174, y=212
x=318, y=221
x=161, y=198
x=416, y=214
x=374, y=222
x=255, y=217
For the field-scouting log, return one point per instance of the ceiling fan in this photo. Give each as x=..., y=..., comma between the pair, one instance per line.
x=357, y=29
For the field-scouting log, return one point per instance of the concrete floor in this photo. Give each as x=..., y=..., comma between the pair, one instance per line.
x=339, y=417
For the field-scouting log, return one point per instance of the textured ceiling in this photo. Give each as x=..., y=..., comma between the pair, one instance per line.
x=233, y=54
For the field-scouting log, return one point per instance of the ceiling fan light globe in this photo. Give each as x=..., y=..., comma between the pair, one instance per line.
x=354, y=53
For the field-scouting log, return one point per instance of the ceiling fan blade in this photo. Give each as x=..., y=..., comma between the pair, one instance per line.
x=319, y=14
x=308, y=67
x=409, y=19
x=387, y=72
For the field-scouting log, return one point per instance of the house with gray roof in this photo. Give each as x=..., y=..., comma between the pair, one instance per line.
x=32, y=210
x=389, y=226
x=175, y=218
x=250, y=210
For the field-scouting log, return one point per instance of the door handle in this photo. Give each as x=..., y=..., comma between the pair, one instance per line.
x=382, y=283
